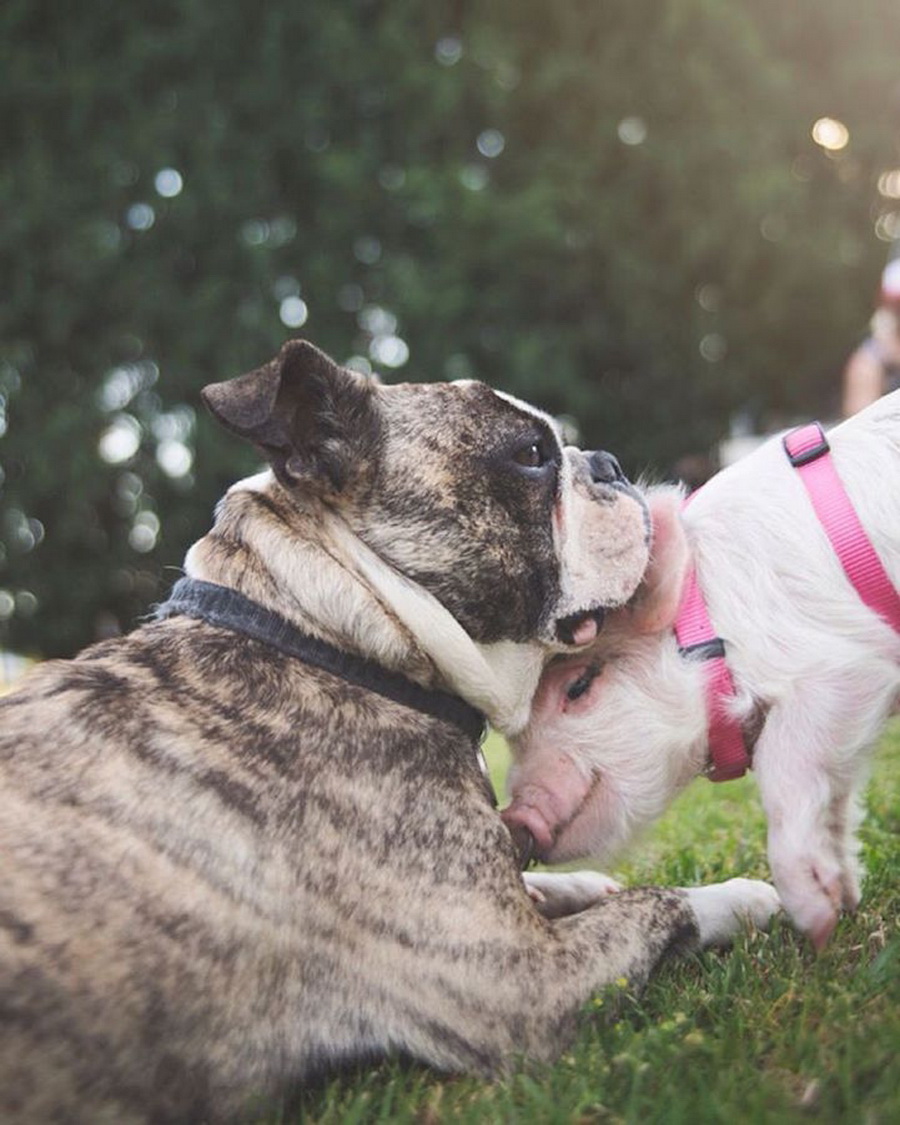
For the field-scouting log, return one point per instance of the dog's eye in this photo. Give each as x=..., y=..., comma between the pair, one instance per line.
x=577, y=688
x=531, y=456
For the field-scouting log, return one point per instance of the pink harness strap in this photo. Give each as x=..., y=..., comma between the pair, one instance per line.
x=808, y=451
x=697, y=639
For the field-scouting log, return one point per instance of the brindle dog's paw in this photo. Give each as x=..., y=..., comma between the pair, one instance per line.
x=724, y=909
x=558, y=893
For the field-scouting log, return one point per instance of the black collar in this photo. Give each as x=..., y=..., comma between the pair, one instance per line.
x=220, y=606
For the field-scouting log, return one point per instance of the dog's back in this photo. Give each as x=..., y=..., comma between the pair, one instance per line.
x=129, y=829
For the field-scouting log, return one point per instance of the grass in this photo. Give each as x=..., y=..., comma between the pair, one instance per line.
x=766, y=1032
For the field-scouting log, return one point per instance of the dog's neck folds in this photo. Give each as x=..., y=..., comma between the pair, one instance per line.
x=334, y=586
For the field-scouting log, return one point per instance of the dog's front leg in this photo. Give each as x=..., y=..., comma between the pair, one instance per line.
x=721, y=908
x=557, y=893
x=628, y=933
x=480, y=998
x=543, y=975
x=808, y=762
x=845, y=817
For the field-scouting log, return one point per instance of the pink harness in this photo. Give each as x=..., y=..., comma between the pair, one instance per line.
x=808, y=451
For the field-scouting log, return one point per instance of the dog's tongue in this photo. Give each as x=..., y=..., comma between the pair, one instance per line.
x=580, y=628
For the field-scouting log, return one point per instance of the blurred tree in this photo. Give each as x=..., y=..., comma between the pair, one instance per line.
x=615, y=208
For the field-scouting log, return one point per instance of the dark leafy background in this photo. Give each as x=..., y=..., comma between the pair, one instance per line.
x=614, y=208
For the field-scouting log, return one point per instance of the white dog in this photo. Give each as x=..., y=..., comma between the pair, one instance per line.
x=619, y=729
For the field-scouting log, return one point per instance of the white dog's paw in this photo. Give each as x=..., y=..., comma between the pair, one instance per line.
x=724, y=909
x=556, y=893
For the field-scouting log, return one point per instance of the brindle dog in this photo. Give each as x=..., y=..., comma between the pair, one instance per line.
x=252, y=837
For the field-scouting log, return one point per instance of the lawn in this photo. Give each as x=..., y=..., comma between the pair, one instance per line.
x=766, y=1032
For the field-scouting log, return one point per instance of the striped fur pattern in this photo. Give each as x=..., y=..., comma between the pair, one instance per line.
x=224, y=869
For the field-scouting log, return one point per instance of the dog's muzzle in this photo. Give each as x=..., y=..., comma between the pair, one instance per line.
x=599, y=488
x=605, y=469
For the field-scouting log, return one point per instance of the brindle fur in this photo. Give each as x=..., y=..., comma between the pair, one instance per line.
x=224, y=868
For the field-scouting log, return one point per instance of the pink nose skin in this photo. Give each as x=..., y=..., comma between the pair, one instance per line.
x=821, y=933
x=586, y=632
x=545, y=803
x=531, y=818
x=823, y=925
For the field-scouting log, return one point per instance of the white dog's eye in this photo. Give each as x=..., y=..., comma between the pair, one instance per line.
x=577, y=688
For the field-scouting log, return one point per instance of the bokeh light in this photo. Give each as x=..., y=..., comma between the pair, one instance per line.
x=377, y=321
x=174, y=458
x=140, y=216
x=359, y=363
x=713, y=347
x=491, y=143
x=122, y=384
x=391, y=351
x=21, y=533
x=120, y=440
x=887, y=226
x=168, y=182
x=632, y=130
x=474, y=177
x=889, y=184
x=367, y=250
x=830, y=134
x=144, y=532
x=709, y=297
x=448, y=50
x=255, y=232
x=293, y=312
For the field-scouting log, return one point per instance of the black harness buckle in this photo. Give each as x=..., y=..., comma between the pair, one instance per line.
x=712, y=649
x=806, y=455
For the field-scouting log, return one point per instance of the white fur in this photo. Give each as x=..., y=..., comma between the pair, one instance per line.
x=566, y=892
x=800, y=643
x=723, y=909
x=499, y=679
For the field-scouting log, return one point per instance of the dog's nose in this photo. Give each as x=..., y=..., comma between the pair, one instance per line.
x=605, y=469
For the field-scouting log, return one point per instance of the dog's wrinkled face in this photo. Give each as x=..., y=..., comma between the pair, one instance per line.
x=464, y=491
x=477, y=501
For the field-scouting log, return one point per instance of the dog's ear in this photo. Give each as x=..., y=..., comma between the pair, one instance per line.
x=658, y=597
x=313, y=420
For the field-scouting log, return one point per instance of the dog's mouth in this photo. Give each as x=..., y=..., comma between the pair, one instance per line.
x=524, y=844
x=580, y=628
